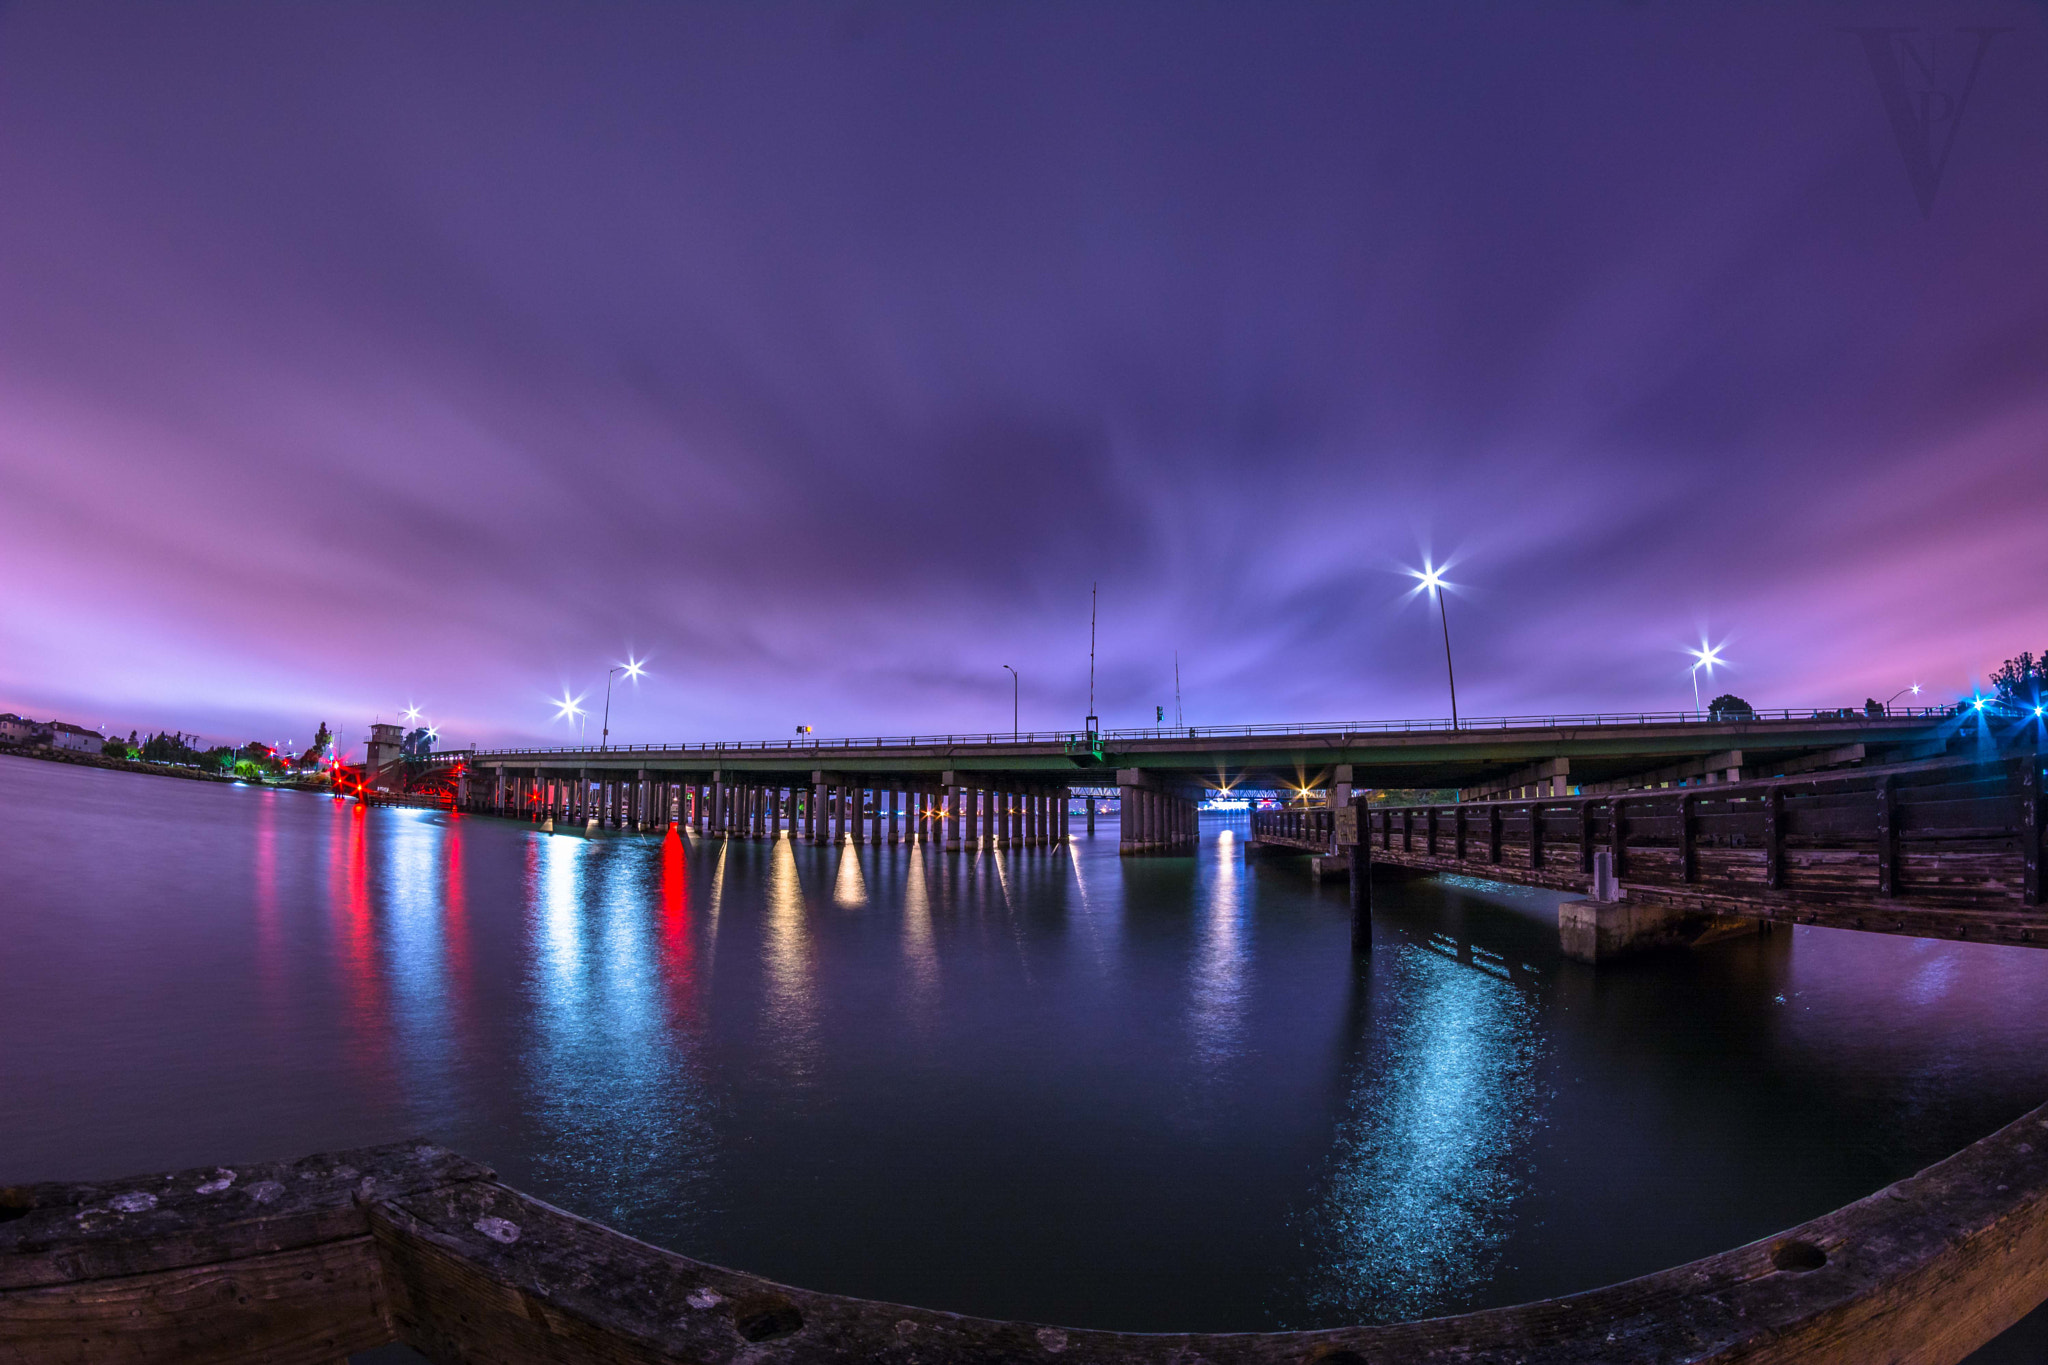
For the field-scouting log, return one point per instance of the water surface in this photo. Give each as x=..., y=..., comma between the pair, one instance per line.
x=1050, y=1084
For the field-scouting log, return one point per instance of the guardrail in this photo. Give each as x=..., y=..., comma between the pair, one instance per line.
x=1019, y=739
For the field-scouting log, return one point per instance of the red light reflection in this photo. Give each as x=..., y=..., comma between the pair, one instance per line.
x=678, y=952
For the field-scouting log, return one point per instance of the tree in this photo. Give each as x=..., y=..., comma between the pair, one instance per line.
x=169, y=748
x=2022, y=678
x=116, y=748
x=1728, y=706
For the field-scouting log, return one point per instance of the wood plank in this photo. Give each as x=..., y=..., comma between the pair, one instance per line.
x=139, y=1224
x=311, y=1305
x=1618, y=838
x=1688, y=863
x=1887, y=838
x=2031, y=821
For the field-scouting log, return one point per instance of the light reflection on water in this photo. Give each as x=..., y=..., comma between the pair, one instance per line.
x=1144, y=1093
x=1222, y=958
x=1432, y=1149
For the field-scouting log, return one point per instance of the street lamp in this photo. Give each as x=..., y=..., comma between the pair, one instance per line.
x=1433, y=584
x=1706, y=656
x=1914, y=689
x=568, y=709
x=631, y=668
x=1013, y=703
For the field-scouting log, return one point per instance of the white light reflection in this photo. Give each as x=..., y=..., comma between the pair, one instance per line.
x=1431, y=1154
x=1217, y=994
x=788, y=956
x=919, y=950
x=617, y=1091
x=414, y=849
x=850, y=888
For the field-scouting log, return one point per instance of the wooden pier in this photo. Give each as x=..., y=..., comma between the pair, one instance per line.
x=1948, y=848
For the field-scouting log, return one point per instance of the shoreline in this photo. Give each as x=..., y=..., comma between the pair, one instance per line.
x=46, y=754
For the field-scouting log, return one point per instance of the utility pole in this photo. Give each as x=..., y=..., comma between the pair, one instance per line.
x=1013, y=703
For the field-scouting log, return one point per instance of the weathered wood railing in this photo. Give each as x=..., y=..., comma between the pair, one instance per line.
x=1948, y=848
x=307, y=1261
x=1303, y=827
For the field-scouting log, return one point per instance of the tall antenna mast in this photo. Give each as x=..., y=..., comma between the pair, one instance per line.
x=1093, y=725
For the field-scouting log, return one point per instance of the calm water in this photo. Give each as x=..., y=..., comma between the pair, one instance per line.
x=1062, y=1086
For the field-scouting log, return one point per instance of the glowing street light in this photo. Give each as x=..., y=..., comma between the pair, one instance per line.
x=1432, y=582
x=1914, y=689
x=1706, y=656
x=632, y=669
x=1014, y=684
x=568, y=708
x=412, y=713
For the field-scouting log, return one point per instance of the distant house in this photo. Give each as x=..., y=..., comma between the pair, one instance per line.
x=64, y=735
x=15, y=730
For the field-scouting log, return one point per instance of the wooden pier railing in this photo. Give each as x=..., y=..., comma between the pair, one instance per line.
x=1950, y=848
x=1308, y=828
x=303, y=1262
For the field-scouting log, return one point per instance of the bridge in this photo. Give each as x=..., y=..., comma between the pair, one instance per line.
x=1010, y=789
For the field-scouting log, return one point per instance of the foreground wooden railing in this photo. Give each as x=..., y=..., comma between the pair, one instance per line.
x=307, y=1261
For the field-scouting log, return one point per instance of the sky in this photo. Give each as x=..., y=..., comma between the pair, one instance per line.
x=826, y=357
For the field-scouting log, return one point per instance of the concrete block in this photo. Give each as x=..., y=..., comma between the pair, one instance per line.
x=1600, y=931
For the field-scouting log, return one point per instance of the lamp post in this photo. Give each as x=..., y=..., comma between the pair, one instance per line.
x=1914, y=689
x=1706, y=656
x=631, y=668
x=1013, y=704
x=1433, y=584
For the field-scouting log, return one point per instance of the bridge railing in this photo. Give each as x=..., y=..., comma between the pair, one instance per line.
x=1021, y=738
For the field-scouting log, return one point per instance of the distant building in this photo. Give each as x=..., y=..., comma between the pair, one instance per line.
x=15, y=730
x=64, y=735
x=386, y=742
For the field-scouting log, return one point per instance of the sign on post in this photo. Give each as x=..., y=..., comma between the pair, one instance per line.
x=1347, y=825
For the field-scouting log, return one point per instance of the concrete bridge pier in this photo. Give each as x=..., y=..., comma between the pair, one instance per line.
x=1155, y=819
x=953, y=797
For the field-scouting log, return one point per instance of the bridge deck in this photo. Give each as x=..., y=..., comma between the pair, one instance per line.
x=1409, y=754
